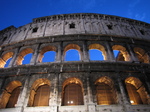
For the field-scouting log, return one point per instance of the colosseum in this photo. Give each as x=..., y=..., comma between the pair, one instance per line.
x=113, y=83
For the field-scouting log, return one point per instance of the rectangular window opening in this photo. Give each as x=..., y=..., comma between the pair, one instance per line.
x=72, y=25
x=34, y=30
x=109, y=27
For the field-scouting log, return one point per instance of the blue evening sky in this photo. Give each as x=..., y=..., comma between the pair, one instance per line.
x=21, y=12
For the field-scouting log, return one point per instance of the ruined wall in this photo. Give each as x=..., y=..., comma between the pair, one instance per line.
x=81, y=32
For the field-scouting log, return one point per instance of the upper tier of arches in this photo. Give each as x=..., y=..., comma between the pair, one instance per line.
x=74, y=52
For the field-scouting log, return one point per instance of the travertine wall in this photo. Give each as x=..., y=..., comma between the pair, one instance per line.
x=87, y=29
x=84, y=24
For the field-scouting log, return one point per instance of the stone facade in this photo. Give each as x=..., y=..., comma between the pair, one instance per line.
x=82, y=32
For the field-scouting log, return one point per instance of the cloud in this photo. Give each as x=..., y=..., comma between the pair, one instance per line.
x=136, y=15
x=140, y=16
x=92, y=4
x=133, y=12
x=89, y=4
x=134, y=3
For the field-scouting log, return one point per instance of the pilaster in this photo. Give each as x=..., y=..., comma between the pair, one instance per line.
x=109, y=52
x=35, y=55
x=132, y=53
x=14, y=58
x=85, y=52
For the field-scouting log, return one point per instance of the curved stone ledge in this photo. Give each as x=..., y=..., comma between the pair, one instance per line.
x=74, y=67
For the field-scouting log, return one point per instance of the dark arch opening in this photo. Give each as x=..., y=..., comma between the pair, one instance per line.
x=13, y=98
x=72, y=95
x=41, y=97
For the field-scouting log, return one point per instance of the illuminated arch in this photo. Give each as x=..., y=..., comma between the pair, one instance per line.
x=141, y=55
x=136, y=91
x=40, y=92
x=100, y=48
x=44, y=50
x=5, y=58
x=72, y=92
x=72, y=47
x=105, y=91
x=22, y=54
x=10, y=95
x=123, y=54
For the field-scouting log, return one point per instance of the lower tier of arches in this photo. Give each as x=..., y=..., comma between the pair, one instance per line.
x=103, y=89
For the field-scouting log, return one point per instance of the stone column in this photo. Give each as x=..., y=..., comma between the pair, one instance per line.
x=89, y=92
x=59, y=54
x=123, y=94
x=131, y=53
x=85, y=52
x=35, y=55
x=60, y=90
x=109, y=52
x=54, y=94
x=14, y=58
x=91, y=105
x=23, y=93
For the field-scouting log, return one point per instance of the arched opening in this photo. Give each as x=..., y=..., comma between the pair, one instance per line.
x=27, y=59
x=95, y=54
x=23, y=54
x=122, y=55
x=10, y=95
x=5, y=59
x=72, y=52
x=105, y=92
x=13, y=98
x=116, y=52
x=47, y=54
x=40, y=93
x=99, y=49
x=72, y=55
x=7, y=62
x=141, y=55
x=72, y=92
x=136, y=91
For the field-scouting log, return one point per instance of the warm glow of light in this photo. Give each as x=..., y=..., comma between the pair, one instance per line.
x=71, y=101
x=131, y=101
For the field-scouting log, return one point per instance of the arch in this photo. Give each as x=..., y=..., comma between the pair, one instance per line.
x=100, y=48
x=105, y=91
x=5, y=58
x=10, y=95
x=72, y=92
x=71, y=49
x=40, y=92
x=22, y=54
x=141, y=55
x=136, y=91
x=45, y=50
x=123, y=54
